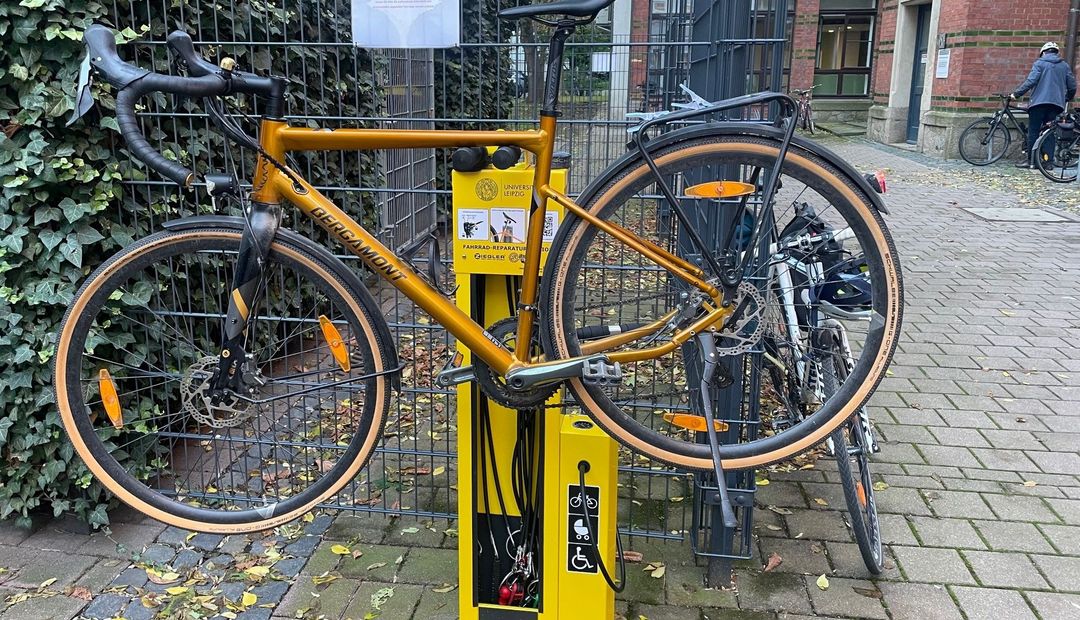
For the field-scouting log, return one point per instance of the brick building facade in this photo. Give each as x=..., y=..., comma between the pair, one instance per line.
x=935, y=64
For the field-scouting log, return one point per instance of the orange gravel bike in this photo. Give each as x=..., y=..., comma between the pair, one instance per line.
x=253, y=370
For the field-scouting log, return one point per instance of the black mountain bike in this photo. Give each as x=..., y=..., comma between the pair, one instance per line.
x=988, y=139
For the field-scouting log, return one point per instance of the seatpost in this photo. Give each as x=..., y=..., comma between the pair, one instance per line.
x=554, y=67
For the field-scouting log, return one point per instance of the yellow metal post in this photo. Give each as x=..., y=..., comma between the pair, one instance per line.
x=490, y=216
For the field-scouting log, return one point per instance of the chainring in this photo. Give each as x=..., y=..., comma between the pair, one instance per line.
x=748, y=329
x=194, y=399
x=492, y=385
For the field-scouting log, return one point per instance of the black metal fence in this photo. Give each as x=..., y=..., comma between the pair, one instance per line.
x=633, y=59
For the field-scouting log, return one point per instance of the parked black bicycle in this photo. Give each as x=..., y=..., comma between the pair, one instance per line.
x=1059, y=149
x=988, y=139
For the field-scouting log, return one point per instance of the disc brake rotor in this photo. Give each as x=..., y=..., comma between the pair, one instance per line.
x=747, y=331
x=196, y=402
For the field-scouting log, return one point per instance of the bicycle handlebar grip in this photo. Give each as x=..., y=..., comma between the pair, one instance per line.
x=206, y=86
x=138, y=144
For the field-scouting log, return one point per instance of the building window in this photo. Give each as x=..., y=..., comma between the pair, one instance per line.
x=845, y=37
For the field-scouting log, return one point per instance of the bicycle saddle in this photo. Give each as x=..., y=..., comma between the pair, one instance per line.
x=573, y=8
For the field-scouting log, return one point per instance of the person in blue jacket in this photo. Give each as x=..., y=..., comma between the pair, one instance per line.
x=1052, y=85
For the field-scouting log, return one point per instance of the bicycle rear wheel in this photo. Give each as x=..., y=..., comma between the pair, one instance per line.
x=137, y=354
x=1059, y=161
x=985, y=141
x=594, y=284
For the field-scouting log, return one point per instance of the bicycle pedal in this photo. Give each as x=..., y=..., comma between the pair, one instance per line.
x=601, y=372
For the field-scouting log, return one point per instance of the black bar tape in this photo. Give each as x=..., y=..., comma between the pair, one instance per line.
x=130, y=131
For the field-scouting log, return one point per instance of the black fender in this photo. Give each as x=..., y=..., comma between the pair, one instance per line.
x=354, y=281
x=757, y=130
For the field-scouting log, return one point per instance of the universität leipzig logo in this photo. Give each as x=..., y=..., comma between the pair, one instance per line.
x=487, y=190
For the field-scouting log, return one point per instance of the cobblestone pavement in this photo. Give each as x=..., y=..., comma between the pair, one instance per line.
x=979, y=421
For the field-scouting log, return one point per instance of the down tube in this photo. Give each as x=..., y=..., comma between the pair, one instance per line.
x=395, y=271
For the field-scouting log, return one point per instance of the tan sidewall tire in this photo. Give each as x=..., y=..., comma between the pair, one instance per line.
x=798, y=158
x=381, y=394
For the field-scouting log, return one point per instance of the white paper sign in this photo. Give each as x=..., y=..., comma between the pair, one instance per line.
x=406, y=23
x=942, y=70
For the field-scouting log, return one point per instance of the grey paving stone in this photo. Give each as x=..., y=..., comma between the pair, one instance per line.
x=846, y=597
x=901, y=501
x=967, y=437
x=1062, y=572
x=1020, y=508
x=437, y=606
x=1013, y=536
x=920, y=564
x=818, y=525
x=1056, y=462
x=1066, y=538
x=206, y=542
x=304, y=546
x=134, y=577
x=954, y=533
x=290, y=567
x=137, y=611
x=1055, y=606
x=1004, y=570
x=917, y=601
x=158, y=554
x=992, y=603
x=186, y=559
x=846, y=560
x=105, y=606
x=1004, y=460
x=11, y=534
x=801, y=556
x=54, y=607
x=957, y=504
x=895, y=529
x=270, y=592
x=772, y=592
x=949, y=456
x=1068, y=509
x=400, y=605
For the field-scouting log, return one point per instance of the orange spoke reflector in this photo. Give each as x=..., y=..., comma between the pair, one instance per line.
x=720, y=189
x=109, y=398
x=337, y=347
x=860, y=490
x=693, y=422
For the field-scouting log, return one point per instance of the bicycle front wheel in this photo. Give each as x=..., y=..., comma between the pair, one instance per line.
x=850, y=446
x=984, y=142
x=594, y=284
x=1058, y=160
x=137, y=357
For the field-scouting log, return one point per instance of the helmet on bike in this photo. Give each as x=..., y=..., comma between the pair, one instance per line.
x=1049, y=47
x=846, y=286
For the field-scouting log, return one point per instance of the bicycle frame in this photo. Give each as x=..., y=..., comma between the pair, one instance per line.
x=272, y=184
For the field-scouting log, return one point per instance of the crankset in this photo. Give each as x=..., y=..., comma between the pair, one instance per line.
x=494, y=387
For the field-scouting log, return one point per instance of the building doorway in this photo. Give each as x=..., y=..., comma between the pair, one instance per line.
x=918, y=72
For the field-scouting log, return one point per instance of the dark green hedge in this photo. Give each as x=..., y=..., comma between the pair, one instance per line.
x=67, y=202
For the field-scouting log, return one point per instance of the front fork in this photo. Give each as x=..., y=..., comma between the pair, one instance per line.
x=263, y=221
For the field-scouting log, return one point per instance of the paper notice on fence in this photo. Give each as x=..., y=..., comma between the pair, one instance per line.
x=406, y=23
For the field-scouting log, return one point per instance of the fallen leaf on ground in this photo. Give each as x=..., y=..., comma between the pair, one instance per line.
x=81, y=593
x=868, y=592
x=773, y=562
x=632, y=556
x=376, y=565
x=443, y=589
x=357, y=553
x=410, y=530
x=780, y=511
x=340, y=550
x=176, y=590
x=823, y=582
x=323, y=578
x=820, y=502
x=249, y=599
x=655, y=569
x=1030, y=483
x=380, y=597
x=257, y=571
x=880, y=486
x=47, y=583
